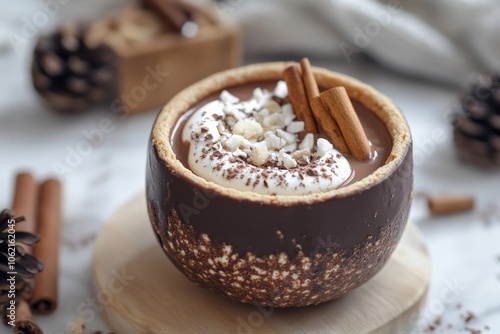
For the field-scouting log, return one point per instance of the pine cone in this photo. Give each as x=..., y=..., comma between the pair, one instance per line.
x=477, y=125
x=26, y=266
x=72, y=74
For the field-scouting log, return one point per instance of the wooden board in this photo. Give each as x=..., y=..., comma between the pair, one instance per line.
x=142, y=292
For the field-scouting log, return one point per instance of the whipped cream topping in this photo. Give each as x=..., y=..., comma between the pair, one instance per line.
x=258, y=145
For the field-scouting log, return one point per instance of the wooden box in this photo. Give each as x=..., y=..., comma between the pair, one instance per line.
x=154, y=63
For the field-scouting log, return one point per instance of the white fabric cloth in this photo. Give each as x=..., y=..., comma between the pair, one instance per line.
x=443, y=40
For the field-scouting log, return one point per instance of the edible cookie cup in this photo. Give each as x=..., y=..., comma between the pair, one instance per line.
x=279, y=251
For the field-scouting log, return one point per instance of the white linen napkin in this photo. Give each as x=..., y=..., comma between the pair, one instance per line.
x=443, y=40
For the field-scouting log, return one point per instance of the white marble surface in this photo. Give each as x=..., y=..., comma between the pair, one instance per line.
x=465, y=250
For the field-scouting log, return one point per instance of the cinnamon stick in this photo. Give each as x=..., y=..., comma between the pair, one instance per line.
x=298, y=98
x=328, y=125
x=45, y=293
x=444, y=205
x=25, y=204
x=337, y=101
x=325, y=122
x=310, y=83
x=24, y=323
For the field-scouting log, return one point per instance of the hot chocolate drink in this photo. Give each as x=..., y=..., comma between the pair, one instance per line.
x=248, y=138
x=279, y=193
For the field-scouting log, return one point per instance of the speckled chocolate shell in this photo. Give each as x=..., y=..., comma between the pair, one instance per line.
x=279, y=251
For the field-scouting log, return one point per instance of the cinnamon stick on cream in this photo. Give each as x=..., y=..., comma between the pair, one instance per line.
x=45, y=294
x=25, y=204
x=326, y=123
x=337, y=101
x=298, y=97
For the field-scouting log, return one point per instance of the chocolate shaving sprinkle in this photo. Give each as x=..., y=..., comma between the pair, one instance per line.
x=311, y=172
x=302, y=162
x=469, y=316
x=278, y=100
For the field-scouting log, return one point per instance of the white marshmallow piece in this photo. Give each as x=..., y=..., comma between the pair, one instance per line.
x=286, y=159
x=307, y=142
x=281, y=89
x=302, y=154
x=290, y=148
x=221, y=128
x=289, y=137
x=287, y=109
x=287, y=119
x=272, y=106
x=323, y=147
x=228, y=98
x=235, y=142
x=248, y=128
x=240, y=153
x=275, y=142
x=258, y=94
x=295, y=127
x=259, y=154
x=273, y=121
x=263, y=113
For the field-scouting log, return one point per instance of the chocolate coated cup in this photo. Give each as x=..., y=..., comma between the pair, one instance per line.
x=279, y=251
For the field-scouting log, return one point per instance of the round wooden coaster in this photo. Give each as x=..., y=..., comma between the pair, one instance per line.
x=142, y=292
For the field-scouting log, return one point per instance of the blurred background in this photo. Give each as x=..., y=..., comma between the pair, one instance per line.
x=82, y=112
